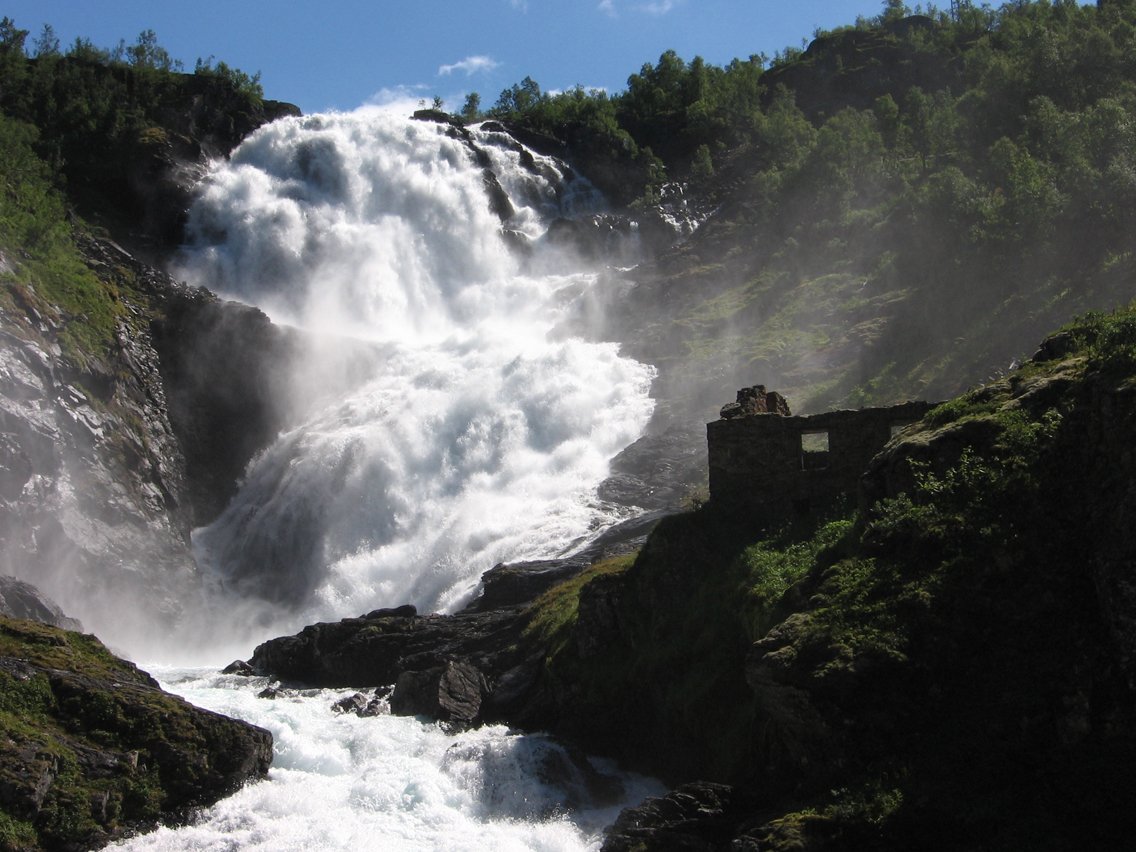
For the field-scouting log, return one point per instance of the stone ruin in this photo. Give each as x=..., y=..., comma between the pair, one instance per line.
x=764, y=460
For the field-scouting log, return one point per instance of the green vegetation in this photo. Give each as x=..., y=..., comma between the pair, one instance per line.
x=91, y=130
x=42, y=271
x=100, y=112
x=682, y=637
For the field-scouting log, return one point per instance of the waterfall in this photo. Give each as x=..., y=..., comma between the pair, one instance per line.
x=478, y=437
x=475, y=436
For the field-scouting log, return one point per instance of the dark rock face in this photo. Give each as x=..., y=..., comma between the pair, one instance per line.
x=375, y=651
x=158, y=177
x=100, y=749
x=223, y=367
x=521, y=582
x=658, y=471
x=695, y=817
x=449, y=693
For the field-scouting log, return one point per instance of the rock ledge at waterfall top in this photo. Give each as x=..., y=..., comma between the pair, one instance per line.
x=96, y=750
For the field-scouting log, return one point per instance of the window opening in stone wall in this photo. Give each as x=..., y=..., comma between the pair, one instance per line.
x=814, y=450
x=896, y=428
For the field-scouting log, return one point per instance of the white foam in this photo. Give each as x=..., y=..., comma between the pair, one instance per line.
x=344, y=782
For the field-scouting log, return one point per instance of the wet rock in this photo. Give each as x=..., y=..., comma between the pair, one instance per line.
x=522, y=582
x=404, y=611
x=92, y=480
x=238, y=667
x=351, y=704
x=102, y=728
x=378, y=703
x=368, y=652
x=448, y=693
x=658, y=471
x=695, y=817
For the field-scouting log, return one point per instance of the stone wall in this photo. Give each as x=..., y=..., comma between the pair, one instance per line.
x=777, y=465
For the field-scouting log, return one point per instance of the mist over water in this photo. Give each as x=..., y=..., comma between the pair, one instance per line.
x=477, y=438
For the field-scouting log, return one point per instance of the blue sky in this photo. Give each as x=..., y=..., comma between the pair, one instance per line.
x=340, y=54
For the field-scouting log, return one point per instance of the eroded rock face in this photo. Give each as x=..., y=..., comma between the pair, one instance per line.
x=452, y=693
x=372, y=651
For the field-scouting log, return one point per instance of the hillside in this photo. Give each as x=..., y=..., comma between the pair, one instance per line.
x=901, y=210
x=950, y=667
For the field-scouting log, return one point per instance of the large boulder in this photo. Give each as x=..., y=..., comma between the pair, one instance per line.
x=449, y=693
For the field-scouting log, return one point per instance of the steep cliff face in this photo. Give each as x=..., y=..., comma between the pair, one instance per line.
x=961, y=655
x=93, y=507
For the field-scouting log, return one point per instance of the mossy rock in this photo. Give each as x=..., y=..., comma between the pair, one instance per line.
x=95, y=749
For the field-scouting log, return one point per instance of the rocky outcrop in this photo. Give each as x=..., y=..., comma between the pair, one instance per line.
x=695, y=817
x=451, y=692
x=23, y=600
x=96, y=750
x=461, y=668
x=659, y=472
x=224, y=367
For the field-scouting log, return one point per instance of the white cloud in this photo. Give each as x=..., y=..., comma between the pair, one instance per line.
x=608, y=7
x=470, y=65
x=660, y=7
x=520, y=5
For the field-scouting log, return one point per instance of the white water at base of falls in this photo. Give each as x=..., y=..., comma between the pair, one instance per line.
x=340, y=782
x=477, y=436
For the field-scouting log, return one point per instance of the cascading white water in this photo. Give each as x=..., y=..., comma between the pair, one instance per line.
x=477, y=439
x=339, y=782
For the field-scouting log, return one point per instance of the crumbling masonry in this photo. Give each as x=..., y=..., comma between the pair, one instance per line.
x=763, y=460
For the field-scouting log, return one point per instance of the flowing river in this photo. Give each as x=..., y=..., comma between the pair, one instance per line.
x=474, y=435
